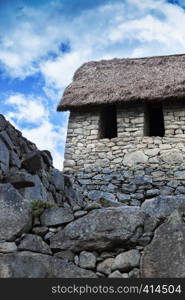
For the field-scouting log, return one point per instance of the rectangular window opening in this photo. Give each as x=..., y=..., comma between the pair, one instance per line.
x=154, y=120
x=108, y=122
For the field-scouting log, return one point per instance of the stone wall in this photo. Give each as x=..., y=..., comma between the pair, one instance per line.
x=84, y=149
x=30, y=170
x=132, y=185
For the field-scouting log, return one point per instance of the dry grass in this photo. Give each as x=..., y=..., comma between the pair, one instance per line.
x=126, y=80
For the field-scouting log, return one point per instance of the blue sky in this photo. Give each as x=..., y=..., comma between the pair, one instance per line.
x=43, y=42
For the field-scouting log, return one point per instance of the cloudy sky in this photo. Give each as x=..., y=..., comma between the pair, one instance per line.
x=42, y=43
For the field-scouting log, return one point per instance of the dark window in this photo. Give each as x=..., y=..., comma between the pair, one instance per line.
x=108, y=122
x=154, y=120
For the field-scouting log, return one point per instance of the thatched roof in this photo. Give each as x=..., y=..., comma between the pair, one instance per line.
x=119, y=81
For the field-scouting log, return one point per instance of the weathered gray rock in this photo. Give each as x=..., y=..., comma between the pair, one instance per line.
x=180, y=190
x=33, y=162
x=133, y=158
x=151, y=223
x=66, y=255
x=48, y=235
x=163, y=205
x=3, y=122
x=166, y=190
x=173, y=156
x=108, y=196
x=123, y=197
x=4, y=156
x=69, y=163
x=105, y=266
x=117, y=274
x=57, y=179
x=19, y=180
x=92, y=205
x=80, y=213
x=126, y=260
x=6, y=139
x=87, y=260
x=15, y=213
x=135, y=273
x=64, y=269
x=109, y=203
x=25, y=265
x=152, y=193
x=76, y=260
x=101, y=229
x=46, y=155
x=94, y=195
x=129, y=188
x=165, y=256
x=34, y=243
x=14, y=160
x=180, y=174
x=152, y=152
x=56, y=216
x=37, y=192
x=145, y=239
x=74, y=197
x=7, y=247
x=40, y=230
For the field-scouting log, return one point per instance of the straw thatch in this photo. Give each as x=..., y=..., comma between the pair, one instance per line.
x=119, y=81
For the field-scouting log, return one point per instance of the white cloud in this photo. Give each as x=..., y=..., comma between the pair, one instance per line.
x=114, y=30
x=134, y=28
x=59, y=73
x=31, y=116
x=26, y=108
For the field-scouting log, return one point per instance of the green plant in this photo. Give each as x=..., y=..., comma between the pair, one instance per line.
x=38, y=206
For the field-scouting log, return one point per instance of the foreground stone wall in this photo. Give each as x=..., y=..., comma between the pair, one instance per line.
x=99, y=240
x=132, y=185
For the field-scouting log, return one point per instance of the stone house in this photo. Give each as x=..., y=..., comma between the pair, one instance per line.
x=125, y=112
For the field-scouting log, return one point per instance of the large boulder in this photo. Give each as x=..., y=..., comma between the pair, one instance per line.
x=135, y=157
x=163, y=206
x=172, y=157
x=33, y=265
x=25, y=265
x=33, y=162
x=126, y=260
x=19, y=179
x=101, y=229
x=165, y=256
x=34, y=243
x=63, y=269
x=15, y=213
x=37, y=192
x=56, y=216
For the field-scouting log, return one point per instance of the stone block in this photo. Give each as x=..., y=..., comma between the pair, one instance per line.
x=133, y=158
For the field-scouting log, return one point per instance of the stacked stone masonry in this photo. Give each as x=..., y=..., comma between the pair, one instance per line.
x=85, y=149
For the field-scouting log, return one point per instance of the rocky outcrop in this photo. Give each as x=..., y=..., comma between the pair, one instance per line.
x=165, y=256
x=101, y=229
x=33, y=265
x=15, y=213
